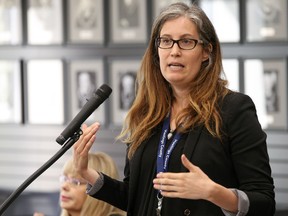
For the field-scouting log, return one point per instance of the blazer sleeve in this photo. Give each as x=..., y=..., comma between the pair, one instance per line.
x=248, y=150
x=115, y=192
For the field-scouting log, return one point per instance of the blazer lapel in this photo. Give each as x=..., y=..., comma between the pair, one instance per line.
x=191, y=142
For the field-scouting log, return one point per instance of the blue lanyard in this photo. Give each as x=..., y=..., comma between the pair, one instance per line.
x=162, y=161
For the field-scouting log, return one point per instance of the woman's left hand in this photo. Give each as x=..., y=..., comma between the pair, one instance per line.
x=194, y=184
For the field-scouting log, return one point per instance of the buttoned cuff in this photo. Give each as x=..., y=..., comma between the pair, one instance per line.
x=92, y=189
x=243, y=204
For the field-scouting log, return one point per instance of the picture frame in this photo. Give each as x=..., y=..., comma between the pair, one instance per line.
x=269, y=93
x=10, y=92
x=128, y=21
x=122, y=73
x=266, y=20
x=159, y=5
x=11, y=22
x=85, y=77
x=231, y=73
x=224, y=11
x=86, y=22
x=45, y=91
x=44, y=22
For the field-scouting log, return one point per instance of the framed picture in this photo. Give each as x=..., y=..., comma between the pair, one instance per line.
x=159, y=5
x=86, y=76
x=45, y=91
x=45, y=22
x=224, y=11
x=128, y=21
x=231, y=73
x=266, y=20
x=10, y=92
x=86, y=23
x=10, y=22
x=269, y=93
x=122, y=78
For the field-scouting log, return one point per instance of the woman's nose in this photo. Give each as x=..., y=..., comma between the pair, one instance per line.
x=65, y=185
x=175, y=50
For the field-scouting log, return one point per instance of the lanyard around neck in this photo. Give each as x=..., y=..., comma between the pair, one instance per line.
x=162, y=160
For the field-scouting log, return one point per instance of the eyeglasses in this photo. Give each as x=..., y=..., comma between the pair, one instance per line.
x=72, y=181
x=183, y=43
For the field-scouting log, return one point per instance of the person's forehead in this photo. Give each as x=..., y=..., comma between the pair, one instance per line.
x=181, y=25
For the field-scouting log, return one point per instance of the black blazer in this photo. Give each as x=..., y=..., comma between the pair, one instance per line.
x=240, y=161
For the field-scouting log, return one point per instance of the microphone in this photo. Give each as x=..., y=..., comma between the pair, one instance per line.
x=98, y=97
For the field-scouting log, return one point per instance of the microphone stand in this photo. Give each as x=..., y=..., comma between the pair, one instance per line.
x=67, y=145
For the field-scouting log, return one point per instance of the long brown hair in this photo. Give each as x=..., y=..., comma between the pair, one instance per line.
x=154, y=96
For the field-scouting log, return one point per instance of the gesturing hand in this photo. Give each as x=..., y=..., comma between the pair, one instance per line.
x=82, y=147
x=194, y=184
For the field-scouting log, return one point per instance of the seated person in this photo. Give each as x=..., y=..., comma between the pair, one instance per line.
x=73, y=198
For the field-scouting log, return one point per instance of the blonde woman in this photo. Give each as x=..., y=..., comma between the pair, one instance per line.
x=73, y=198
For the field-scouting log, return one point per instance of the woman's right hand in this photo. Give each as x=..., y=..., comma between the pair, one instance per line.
x=81, y=150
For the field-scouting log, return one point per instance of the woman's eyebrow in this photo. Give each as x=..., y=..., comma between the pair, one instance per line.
x=181, y=36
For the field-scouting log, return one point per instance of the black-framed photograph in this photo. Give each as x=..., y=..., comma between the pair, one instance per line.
x=266, y=20
x=44, y=22
x=159, y=5
x=86, y=76
x=45, y=91
x=224, y=11
x=122, y=78
x=86, y=23
x=10, y=92
x=128, y=21
x=10, y=22
x=231, y=73
x=269, y=92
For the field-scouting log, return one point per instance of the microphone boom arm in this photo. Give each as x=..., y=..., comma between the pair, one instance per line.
x=66, y=139
x=67, y=145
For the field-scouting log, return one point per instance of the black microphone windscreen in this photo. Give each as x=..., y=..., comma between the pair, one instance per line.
x=100, y=95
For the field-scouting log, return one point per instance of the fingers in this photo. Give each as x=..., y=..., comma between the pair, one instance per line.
x=168, y=187
x=186, y=163
x=86, y=140
x=82, y=146
x=164, y=180
x=174, y=184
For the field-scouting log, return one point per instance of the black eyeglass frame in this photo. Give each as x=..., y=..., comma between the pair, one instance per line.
x=158, y=39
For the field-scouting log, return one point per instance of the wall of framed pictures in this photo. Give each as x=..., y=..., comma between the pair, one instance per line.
x=48, y=48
